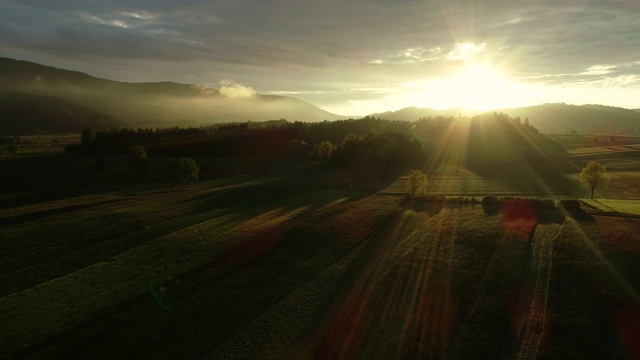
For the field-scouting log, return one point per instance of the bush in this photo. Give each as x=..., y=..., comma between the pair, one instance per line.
x=548, y=204
x=537, y=204
x=490, y=205
x=570, y=205
x=440, y=198
x=457, y=199
x=490, y=200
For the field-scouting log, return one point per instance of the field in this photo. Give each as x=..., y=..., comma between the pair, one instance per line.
x=43, y=144
x=621, y=158
x=631, y=207
x=302, y=260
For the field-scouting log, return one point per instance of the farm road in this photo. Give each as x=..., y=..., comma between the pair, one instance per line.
x=532, y=328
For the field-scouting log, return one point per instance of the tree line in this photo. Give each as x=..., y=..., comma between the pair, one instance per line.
x=486, y=143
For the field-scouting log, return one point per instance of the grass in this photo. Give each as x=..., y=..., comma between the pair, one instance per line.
x=270, y=259
x=570, y=142
x=105, y=252
x=140, y=271
x=478, y=186
x=623, y=157
x=34, y=145
x=631, y=207
x=623, y=185
x=459, y=284
x=604, y=149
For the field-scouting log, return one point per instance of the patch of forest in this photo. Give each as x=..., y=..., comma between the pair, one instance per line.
x=487, y=144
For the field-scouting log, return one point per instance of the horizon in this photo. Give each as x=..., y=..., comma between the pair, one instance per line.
x=348, y=62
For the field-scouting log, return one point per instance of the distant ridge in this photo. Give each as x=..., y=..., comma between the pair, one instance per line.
x=563, y=118
x=27, y=76
x=151, y=104
x=414, y=113
x=547, y=118
x=103, y=103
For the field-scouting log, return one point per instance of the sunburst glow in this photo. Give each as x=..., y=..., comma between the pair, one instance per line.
x=476, y=87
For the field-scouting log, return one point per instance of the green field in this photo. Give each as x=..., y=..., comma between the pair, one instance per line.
x=308, y=263
x=620, y=206
x=297, y=258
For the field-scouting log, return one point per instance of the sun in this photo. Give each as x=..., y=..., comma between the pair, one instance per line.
x=475, y=87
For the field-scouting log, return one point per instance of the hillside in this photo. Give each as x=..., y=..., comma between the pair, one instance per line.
x=548, y=118
x=414, y=113
x=152, y=104
x=170, y=104
x=22, y=113
x=563, y=118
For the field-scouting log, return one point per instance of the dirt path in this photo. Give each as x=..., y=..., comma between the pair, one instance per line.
x=532, y=329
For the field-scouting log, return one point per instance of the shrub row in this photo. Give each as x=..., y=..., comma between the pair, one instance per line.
x=492, y=203
x=441, y=198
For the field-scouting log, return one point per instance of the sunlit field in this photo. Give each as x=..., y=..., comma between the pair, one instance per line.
x=244, y=266
x=479, y=186
x=308, y=257
x=617, y=153
x=619, y=206
x=310, y=180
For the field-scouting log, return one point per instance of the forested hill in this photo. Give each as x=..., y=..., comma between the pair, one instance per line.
x=585, y=119
x=414, y=113
x=547, y=118
x=486, y=144
x=22, y=113
x=152, y=104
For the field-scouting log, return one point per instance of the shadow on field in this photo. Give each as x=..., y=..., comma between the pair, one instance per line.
x=542, y=211
x=327, y=185
x=17, y=219
x=434, y=204
x=34, y=197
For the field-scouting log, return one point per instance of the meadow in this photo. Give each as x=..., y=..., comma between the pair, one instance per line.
x=299, y=259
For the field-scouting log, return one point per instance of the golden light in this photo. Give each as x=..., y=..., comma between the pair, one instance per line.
x=476, y=87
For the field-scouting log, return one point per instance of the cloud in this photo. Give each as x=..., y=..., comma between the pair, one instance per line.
x=598, y=70
x=232, y=89
x=465, y=50
x=331, y=46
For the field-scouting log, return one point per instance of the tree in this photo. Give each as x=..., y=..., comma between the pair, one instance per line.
x=323, y=150
x=183, y=169
x=99, y=163
x=12, y=150
x=171, y=170
x=86, y=137
x=594, y=177
x=415, y=182
x=188, y=170
x=137, y=158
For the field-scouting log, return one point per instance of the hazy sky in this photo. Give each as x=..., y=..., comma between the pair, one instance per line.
x=348, y=57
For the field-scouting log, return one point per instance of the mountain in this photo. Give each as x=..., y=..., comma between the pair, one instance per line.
x=586, y=119
x=22, y=113
x=152, y=104
x=547, y=118
x=414, y=113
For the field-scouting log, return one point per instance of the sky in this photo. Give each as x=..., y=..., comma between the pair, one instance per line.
x=347, y=57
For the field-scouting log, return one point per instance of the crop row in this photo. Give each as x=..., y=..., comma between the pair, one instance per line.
x=61, y=303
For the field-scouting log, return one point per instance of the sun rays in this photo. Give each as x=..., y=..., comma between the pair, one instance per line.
x=474, y=86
